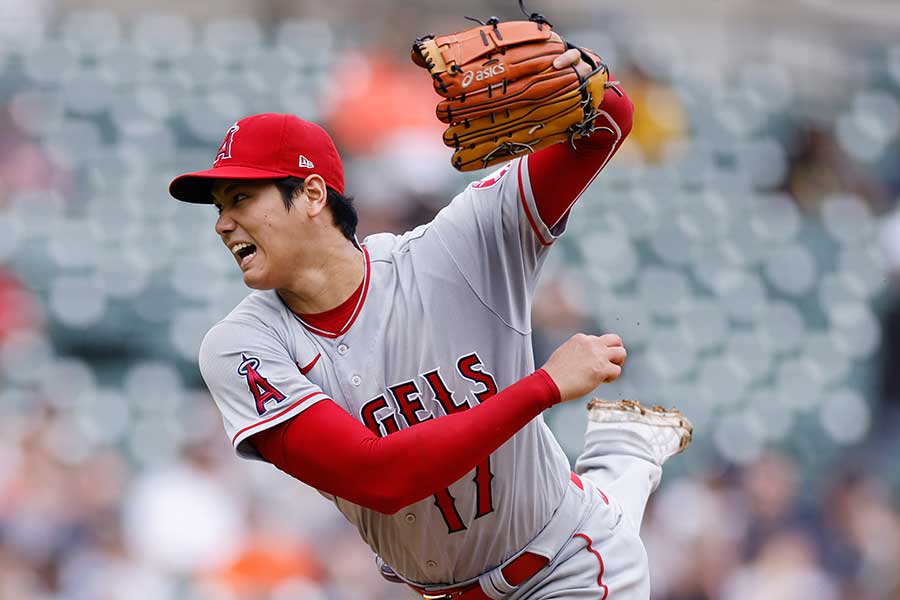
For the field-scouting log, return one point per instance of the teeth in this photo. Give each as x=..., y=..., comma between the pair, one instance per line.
x=238, y=247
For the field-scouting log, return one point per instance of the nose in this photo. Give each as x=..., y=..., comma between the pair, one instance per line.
x=224, y=224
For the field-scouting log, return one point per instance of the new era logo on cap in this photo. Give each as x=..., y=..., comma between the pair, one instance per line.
x=266, y=146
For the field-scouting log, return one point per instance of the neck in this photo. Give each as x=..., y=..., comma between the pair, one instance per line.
x=333, y=276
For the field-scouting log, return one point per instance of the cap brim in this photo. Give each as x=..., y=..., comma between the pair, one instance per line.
x=197, y=187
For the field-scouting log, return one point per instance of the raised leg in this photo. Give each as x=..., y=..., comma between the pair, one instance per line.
x=625, y=446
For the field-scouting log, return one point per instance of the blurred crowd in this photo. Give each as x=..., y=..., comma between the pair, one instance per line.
x=758, y=532
x=745, y=242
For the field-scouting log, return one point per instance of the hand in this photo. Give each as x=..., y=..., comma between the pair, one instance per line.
x=585, y=361
x=572, y=58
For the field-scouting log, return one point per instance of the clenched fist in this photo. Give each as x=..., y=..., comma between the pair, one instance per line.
x=585, y=361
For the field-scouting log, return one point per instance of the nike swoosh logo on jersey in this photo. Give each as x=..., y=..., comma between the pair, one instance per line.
x=308, y=368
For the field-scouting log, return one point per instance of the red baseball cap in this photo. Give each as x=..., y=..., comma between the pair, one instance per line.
x=266, y=146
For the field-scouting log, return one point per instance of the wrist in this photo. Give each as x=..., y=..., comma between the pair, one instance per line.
x=550, y=386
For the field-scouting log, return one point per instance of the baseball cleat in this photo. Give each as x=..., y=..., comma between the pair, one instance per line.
x=667, y=431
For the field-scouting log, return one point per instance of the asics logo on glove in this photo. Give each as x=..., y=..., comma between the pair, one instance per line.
x=482, y=74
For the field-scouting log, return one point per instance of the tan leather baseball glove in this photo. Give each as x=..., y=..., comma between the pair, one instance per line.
x=503, y=96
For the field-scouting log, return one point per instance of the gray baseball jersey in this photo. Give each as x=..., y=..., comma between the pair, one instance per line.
x=443, y=323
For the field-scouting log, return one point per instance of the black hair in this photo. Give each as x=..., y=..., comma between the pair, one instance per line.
x=342, y=210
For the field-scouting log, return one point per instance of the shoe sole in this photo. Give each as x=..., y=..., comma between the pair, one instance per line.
x=657, y=416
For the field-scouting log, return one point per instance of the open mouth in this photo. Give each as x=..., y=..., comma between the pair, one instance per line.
x=244, y=252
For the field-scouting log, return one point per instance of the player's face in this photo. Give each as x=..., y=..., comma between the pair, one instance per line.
x=259, y=231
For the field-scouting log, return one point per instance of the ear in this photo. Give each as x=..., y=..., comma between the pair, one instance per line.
x=316, y=193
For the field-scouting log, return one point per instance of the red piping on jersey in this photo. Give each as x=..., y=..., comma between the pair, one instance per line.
x=528, y=212
x=276, y=415
x=590, y=548
x=576, y=480
x=312, y=363
x=325, y=318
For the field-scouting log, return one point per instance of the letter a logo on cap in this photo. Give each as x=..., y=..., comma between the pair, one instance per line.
x=225, y=148
x=305, y=163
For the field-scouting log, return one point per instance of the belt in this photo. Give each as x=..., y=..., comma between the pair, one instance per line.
x=519, y=569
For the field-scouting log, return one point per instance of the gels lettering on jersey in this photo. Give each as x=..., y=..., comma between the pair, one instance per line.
x=408, y=401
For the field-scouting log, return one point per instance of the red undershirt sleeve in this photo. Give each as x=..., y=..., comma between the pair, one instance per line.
x=559, y=174
x=328, y=449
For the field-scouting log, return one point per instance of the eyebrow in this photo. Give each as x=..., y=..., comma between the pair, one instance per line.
x=228, y=188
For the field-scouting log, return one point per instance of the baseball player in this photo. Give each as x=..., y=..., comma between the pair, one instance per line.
x=396, y=375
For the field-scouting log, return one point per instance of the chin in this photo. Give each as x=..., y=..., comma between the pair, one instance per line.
x=256, y=283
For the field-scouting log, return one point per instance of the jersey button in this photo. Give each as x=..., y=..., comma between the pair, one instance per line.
x=356, y=380
x=342, y=349
x=431, y=564
x=410, y=518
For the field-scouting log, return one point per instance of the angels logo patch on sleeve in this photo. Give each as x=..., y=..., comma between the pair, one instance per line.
x=236, y=357
x=263, y=391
